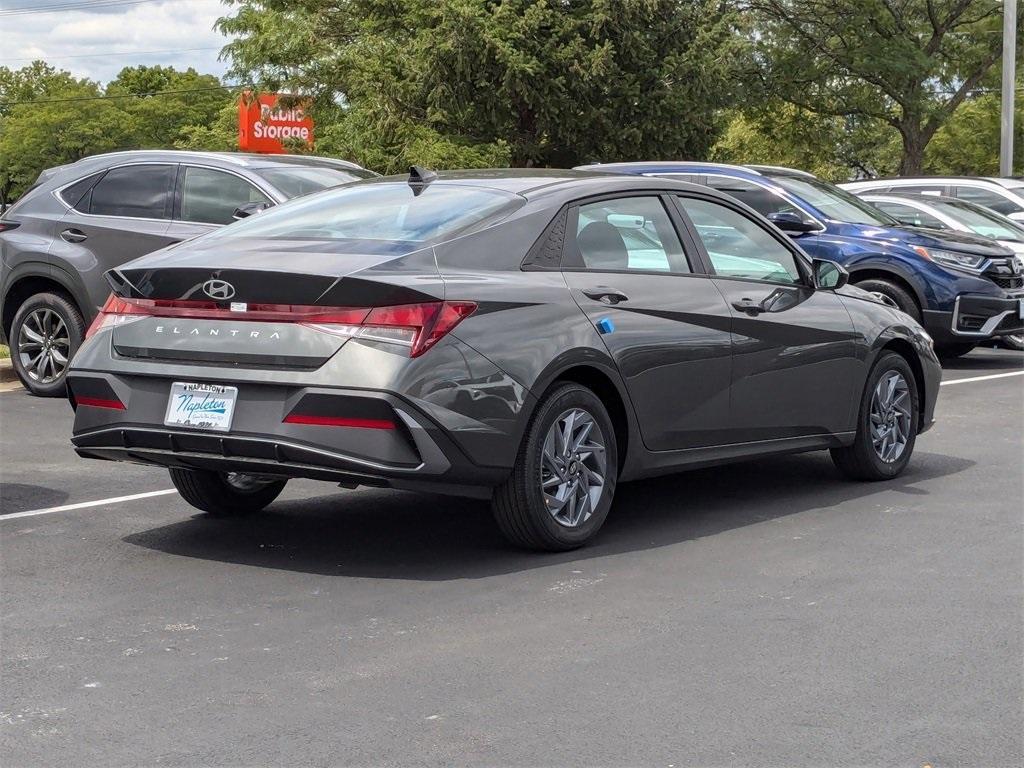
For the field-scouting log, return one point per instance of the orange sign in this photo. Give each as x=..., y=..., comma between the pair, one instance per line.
x=264, y=125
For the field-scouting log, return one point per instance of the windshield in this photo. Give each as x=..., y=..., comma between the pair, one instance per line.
x=982, y=221
x=300, y=180
x=835, y=203
x=383, y=211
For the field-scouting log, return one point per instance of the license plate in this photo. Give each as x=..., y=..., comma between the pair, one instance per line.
x=202, y=406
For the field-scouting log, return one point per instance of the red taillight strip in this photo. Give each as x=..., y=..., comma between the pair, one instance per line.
x=338, y=421
x=99, y=402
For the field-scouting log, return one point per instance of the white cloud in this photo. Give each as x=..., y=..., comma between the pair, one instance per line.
x=98, y=43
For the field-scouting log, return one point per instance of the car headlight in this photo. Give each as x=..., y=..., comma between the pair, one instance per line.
x=955, y=259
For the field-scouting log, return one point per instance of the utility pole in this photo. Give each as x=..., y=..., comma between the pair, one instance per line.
x=1009, y=85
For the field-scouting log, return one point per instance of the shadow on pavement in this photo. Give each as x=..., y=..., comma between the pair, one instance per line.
x=394, y=535
x=986, y=359
x=18, y=497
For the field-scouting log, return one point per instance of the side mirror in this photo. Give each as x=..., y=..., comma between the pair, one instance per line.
x=829, y=276
x=249, y=209
x=788, y=221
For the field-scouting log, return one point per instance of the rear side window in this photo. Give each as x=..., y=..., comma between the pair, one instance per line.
x=135, y=191
x=76, y=195
x=987, y=198
x=389, y=212
x=211, y=197
x=629, y=233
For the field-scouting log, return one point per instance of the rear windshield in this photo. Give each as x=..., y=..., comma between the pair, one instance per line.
x=304, y=180
x=387, y=211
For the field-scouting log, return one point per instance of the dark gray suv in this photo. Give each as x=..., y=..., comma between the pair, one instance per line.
x=81, y=219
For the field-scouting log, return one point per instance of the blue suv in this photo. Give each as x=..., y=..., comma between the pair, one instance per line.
x=964, y=289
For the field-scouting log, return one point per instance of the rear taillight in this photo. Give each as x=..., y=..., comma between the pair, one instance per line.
x=416, y=326
x=7, y=226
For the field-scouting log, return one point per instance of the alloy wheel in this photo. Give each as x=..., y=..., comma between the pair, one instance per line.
x=572, y=472
x=890, y=416
x=44, y=345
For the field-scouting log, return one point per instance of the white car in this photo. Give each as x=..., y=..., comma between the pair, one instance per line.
x=1002, y=195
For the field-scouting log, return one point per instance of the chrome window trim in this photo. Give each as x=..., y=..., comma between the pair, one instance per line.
x=276, y=196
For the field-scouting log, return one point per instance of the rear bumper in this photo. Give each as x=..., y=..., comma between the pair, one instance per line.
x=415, y=453
x=976, y=318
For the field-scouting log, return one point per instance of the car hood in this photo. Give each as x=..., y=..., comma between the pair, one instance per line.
x=923, y=237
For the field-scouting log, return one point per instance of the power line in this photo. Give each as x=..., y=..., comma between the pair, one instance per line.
x=123, y=96
x=113, y=53
x=65, y=7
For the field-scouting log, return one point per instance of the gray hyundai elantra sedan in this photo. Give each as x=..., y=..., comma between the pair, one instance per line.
x=530, y=337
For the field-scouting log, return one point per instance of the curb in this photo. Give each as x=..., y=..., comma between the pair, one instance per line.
x=7, y=371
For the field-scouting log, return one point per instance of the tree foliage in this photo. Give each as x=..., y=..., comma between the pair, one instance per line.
x=526, y=82
x=905, y=63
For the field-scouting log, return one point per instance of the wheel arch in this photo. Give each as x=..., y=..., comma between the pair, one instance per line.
x=905, y=349
x=28, y=283
x=879, y=272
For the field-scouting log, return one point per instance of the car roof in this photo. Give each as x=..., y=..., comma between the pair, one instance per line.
x=533, y=183
x=658, y=167
x=1008, y=183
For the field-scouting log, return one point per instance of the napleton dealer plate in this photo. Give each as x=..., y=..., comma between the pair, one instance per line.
x=202, y=406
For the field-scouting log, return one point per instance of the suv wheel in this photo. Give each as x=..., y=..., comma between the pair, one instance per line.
x=1014, y=341
x=225, y=494
x=887, y=423
x=897, y=294
x=563, y=482
x=46, y=332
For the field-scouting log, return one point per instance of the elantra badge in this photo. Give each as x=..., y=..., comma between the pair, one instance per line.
x=218, y=289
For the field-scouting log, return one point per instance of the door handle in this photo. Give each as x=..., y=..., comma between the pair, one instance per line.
x=73, y=235
x=605, y=295
x=750, y=306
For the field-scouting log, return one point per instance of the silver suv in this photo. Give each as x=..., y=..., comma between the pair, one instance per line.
x=81, y=219
x=1002, y=195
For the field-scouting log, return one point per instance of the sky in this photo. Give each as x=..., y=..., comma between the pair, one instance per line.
x=97, y=38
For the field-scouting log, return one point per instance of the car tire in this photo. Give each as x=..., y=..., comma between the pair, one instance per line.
x=951, y=351
x=1015, y=341
x=881, y=425
x=897, y=293
x=225, y=494
x=548, y=501
x=46, y=332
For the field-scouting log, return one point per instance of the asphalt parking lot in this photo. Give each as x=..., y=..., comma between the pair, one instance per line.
x=766, y=614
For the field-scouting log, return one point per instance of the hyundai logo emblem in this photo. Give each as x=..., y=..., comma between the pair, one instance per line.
x=219, y=289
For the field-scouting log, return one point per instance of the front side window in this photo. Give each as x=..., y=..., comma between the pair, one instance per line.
x=386, y=212
x=987, y=198
x=912, y=217
x=739, y=247
x=765, y=201
x=835, y=203
x=629, y=233
x=136, y=191
x=211, y=197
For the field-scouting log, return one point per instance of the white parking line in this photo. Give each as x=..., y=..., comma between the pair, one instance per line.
x=86, y=504
x=982, y=378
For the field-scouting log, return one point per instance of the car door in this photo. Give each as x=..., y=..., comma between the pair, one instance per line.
x=663, y=321
x=123, y=215
x=206, y=198
x=795, y=369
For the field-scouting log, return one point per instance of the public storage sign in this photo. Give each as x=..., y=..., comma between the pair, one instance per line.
x=264, y=124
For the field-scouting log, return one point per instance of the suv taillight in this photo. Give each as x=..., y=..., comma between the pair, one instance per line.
x=416, y=326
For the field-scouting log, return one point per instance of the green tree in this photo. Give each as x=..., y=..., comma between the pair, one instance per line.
x=908, y=64
x=530, y=82
x=164, y=102
x=968, y=144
